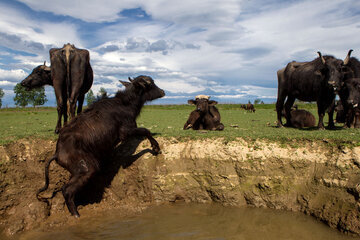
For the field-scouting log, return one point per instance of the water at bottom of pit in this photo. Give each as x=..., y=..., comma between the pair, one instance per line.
x=197, y=222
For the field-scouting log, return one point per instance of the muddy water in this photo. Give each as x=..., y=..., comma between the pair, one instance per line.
x=198, y=222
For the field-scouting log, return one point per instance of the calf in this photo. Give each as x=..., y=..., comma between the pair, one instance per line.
x=206, y=116
x=300, y=118
x=86, y=139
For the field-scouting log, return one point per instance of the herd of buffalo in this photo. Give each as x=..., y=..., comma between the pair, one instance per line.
x=90, y=136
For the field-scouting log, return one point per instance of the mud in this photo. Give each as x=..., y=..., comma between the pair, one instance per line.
x=316, y=178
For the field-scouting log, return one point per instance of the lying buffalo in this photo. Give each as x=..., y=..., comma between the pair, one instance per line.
x=301, y=118
x=93, y=134
x=206, y=116
x=317, y=80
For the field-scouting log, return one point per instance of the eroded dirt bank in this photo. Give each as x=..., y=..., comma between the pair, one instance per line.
x=316, y=178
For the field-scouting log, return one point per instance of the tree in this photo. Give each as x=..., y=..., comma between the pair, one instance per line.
x=257, y=101
x=1, y=96
x=34, y=97
x=38, y=97
x=90, y=97
x=102, y=94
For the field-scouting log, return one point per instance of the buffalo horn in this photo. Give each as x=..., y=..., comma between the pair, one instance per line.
x=46, y=67
x=322, y=58
x=347, y=59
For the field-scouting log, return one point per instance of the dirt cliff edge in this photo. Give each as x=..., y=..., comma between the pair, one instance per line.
x=316, y=178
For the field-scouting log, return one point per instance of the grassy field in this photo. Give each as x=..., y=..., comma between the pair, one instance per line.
x=168, y=121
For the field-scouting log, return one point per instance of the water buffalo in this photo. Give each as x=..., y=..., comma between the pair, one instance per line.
x=40, y=76
x=301, y=118
x=206, y=116
x=249, y=107
x=351, y=71
x=351, y=66
x=350, y=98
x=340, y=114
x=93, y=134
x=72, y=76
x=317, y=80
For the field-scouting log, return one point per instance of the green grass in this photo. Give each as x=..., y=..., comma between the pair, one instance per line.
x=168, y=121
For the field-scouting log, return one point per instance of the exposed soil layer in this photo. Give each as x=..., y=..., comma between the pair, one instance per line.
x=315, y=178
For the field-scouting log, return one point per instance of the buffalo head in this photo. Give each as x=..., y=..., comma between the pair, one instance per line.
x=145, y=86
x=353, y=86
x=40, y=76
x=202, y=103
x=332, y=70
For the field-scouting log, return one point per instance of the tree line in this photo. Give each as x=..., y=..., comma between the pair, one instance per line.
x=37, y=96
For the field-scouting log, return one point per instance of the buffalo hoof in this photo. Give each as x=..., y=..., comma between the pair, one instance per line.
x=156, y=150
x=188, y=127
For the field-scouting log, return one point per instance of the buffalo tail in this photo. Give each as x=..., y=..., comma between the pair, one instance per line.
x=46, y=180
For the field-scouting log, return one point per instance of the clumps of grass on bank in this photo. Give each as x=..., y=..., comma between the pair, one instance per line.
x=168, y=121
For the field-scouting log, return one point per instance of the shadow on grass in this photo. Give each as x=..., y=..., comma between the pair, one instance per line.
x=336, y=128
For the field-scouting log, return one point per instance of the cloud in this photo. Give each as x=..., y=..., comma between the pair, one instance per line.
x=140, y=44
x=228, y=49
x=12, y=75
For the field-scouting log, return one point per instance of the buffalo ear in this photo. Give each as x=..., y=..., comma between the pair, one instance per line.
x=126, y=84
x=192, y=102
x=212, y=103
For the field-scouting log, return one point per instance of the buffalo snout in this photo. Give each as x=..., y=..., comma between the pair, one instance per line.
x=26, y=83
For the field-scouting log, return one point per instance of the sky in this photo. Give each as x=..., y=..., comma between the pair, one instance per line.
x=229, y=49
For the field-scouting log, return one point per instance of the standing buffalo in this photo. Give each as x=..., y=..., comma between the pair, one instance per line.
x=350, y=99
x=317, y=80
x=84, y=142
x=72, y=77
x=206, y=116
x=249, y=107
x=351, y=71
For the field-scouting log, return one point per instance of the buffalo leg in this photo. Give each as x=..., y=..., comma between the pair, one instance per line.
x=289, y=102
x=80, y=103
x=357, y=120
x=72, y=106
x=321, y=113
x=279, y=108
x=143, y=132
x=191, y=122
x=61, y=109
x=76, y=182
x=331, y=115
